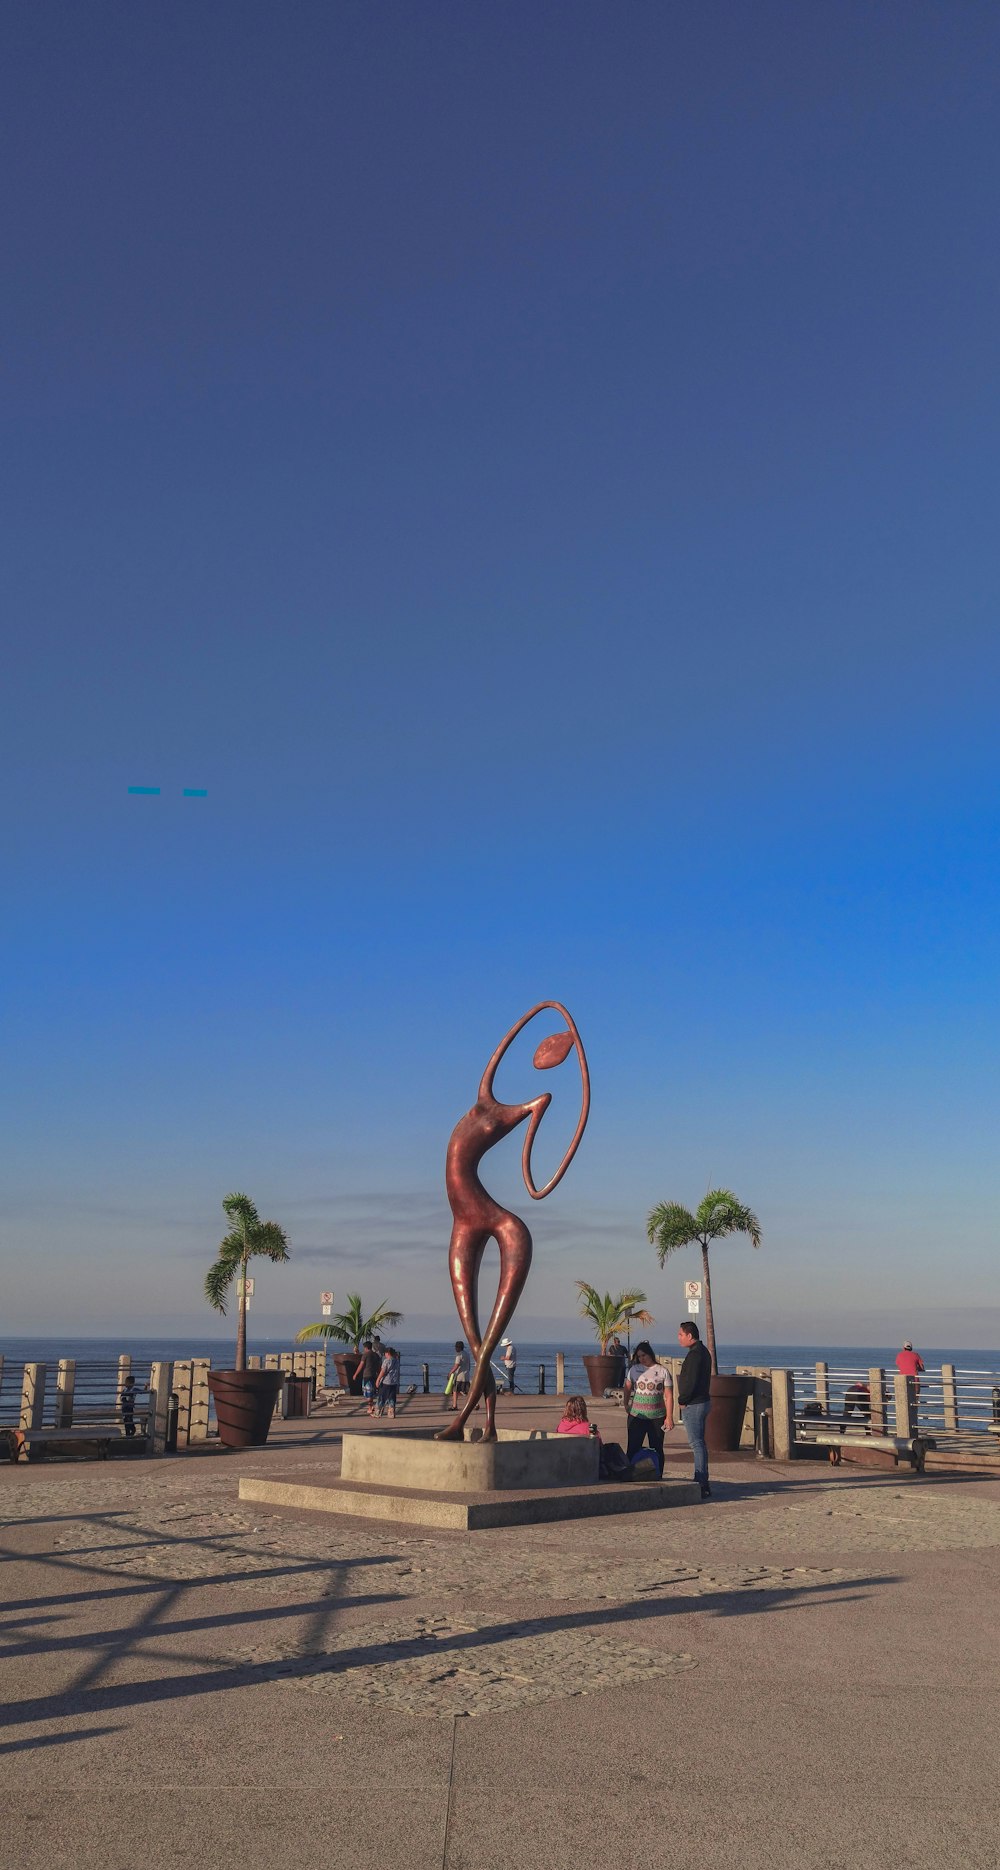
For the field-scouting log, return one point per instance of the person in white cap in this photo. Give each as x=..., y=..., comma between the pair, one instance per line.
x=910, y=1364
x=509, y=1361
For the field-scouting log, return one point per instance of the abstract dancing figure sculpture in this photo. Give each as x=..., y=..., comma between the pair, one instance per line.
x=478, y=1218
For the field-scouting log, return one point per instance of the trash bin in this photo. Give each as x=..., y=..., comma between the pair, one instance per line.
x=298, y=1396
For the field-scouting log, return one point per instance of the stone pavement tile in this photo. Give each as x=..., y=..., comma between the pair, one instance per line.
x=259, y=1738
x=753, y=1736
x=225, y=1827
x=693, y=1824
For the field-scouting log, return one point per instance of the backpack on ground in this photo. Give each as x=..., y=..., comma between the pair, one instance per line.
x=645, y=1465
x=614, y=1462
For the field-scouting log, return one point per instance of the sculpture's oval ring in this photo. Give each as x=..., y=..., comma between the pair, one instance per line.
x=486, y=1090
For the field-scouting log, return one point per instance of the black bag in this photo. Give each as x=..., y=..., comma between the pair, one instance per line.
x=614, y=1462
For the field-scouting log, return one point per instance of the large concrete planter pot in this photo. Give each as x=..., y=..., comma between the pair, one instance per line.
x=244, y=1404
x=345, y=1363
x=725, y=1418
x=604, y=1373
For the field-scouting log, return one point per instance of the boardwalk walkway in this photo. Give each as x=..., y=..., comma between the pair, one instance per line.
x=801, y=1673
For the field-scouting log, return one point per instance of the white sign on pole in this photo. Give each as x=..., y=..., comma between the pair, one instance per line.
x=692, y=1288
x=248, y=1284
x=326, y=1298
x=327, y=1309
x=694, y=1306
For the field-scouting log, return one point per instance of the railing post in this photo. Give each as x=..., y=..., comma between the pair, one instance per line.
x=904, y=1401
x=32, y=1395
x=65, y=1383
x=253, y=1363
x=159, y=1398
x=425, y=1378
x=783, y=1413
x=823, y=1386
x=541, y=1379
x=321, y=1369
x=181, y=1385
x=560, y=1373
x=198, y=1425
x=949, y=1395
x=876, y=1391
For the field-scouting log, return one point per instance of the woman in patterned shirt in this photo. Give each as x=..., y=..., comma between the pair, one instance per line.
x=649, y=1399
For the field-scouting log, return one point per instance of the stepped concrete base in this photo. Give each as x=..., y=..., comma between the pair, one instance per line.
x=519, y=1459
x=472, y=1512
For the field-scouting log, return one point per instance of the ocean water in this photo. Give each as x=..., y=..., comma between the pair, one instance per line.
x=438, y=1355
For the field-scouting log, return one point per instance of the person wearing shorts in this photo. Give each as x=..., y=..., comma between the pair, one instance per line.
x=459, y=1373
x=387, y=1386
x=368, y=1370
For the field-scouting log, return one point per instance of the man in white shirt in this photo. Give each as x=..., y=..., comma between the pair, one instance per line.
x=509, y=1362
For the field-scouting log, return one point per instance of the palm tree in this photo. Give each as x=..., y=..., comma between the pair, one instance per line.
x=670, y=1227
x=351, y=1327
x=248, y=1237
x=607, y=1315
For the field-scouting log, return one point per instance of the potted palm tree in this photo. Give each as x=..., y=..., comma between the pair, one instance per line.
x=671, y=1227
x=244, y=1399
x=350, y=1327
x=608, y=1315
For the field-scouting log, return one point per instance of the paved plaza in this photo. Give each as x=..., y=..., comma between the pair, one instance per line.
x=802, y=1672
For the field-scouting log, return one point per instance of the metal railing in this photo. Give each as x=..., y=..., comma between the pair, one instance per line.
x=959, y=1409
x=71, y=1393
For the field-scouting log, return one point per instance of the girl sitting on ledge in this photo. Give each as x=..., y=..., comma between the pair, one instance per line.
x=575, y=1420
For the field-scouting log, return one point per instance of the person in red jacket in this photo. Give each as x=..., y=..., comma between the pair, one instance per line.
x=910, y=1364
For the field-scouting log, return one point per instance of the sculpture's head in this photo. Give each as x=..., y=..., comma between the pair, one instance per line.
x=553, y=1050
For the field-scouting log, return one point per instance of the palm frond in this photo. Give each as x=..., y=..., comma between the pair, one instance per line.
x=382, y=1315
x=232, y=1247
x=270, y=1240
x=328, y=1328
x=720, y=1213
x=241, y=1211
x=218, y=1280
x=670, y=1227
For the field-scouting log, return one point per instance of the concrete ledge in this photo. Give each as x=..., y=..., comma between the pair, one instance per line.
x=457, y=1513
x=516, y=1460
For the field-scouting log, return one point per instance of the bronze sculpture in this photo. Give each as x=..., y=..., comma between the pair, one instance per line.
x=479, y=1219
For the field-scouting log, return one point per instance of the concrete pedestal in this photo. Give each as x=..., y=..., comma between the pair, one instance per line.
x=516, y=1460
x=522, y=1478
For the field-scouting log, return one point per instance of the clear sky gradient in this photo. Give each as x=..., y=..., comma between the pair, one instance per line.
x=536, y=468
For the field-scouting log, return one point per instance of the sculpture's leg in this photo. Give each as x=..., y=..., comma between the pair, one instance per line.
x=514, y=1242
x=465, y=1257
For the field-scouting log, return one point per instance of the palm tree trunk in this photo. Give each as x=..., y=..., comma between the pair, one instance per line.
x=241, y=1329
x=709, y=1319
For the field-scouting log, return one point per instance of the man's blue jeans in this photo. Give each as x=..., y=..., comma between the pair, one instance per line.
x=695, y=1415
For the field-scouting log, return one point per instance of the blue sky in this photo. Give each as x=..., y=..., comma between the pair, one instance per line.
x=536, y=468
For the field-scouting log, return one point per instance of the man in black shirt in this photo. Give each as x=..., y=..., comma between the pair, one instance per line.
x=694, y=1396
x=368, y=1369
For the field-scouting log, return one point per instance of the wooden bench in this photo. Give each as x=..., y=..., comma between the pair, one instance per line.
x=867, y=1450
x=93, y=1440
